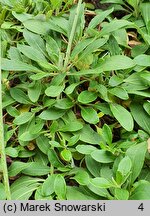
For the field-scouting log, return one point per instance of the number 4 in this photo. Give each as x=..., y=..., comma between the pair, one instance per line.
x=141, y=207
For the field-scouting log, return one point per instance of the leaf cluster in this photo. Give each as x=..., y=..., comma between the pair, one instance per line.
x=76, y=100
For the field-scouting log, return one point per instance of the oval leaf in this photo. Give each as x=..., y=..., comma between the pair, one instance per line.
x=87, y=97
x=141, y=117
x=85, y=149
x=66, y=155
x=52, y=114
x=143, y=60
x=54, y=91
x=101, y=182
x=137, y=155
x=89, y=115
x=102, y=156
x=123, y=116
x=23, y=118
x=117, y=62
x=119, y=92
x=60, y=187
x=82, y=177
x=36, y=169
x=14, y=65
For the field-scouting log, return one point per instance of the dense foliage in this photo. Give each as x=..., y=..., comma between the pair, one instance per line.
x=76, y=99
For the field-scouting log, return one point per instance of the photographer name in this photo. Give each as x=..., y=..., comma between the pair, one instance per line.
x=27, y=207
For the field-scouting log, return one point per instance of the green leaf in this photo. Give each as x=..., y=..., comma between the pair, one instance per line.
x=139, y=49
x=14, y=54
x=117, y=62
x=27, y=136
x=121, y=194
x=52, y=114
x=103, y=93
x=16, y=167
x=81, y=45
x=37, y=127
x=19, y=96
x=25, y=153
x=106, y=171
x=146, y=107
x=102, y=156
x=2, y=192
x=87, y=97
x=123, y=170
x=79, y=23
x=53, y=158
x=103, y=192
x=82, y=177
x=60, y=187
x=115, y=81
x=31, y=53
x=72, y=126
x=36, y=169
x=48, y=185
x=23, y=187
x=113, y=45
x=140, y=116
x=113, y=26
x=100, y=182
x=73, y=140
x=134, y=82
x=52, y=48
x=43, y=143
x=125, y=166
x=141, y=192
x=137, y=155
x=39, y=75
x=89, y=115
x=64, y=103
x=56, y=4
x=54, y=91
x=35, y=91
x=93, y=166
x=21, y=16
x=15, y=65
x=39, y=195
x=140, y=93
x=145, y=7
x=23, y=118
x=40, y=157
x=99, y=18
x=145, y=75
x=142, y=60
x=119, y=92
x=58, y=24
x=74, y=193
x=72, y=87
x=92, y=47
x=12, y=152
x=104, y=108
x=7, y=100
x=123, y=116
x=94, y=71
x=66, y=155
x=88, y=135
x=13, y=111
x=107, y=134
x=34, y=40
x=85, y=149
x=33, y=25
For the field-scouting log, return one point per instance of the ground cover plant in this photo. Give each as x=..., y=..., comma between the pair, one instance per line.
x=75, y=94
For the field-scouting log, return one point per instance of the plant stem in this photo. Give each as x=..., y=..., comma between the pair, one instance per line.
x=2, y=143
x=72, y=35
